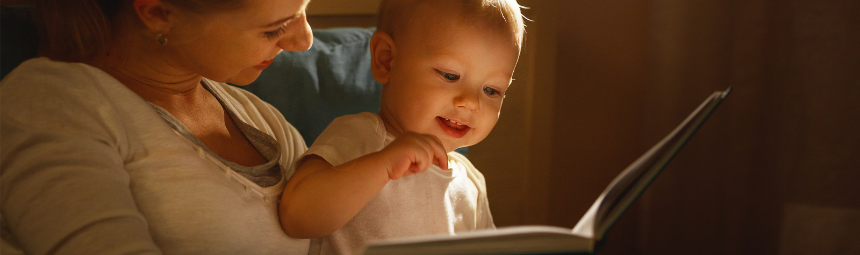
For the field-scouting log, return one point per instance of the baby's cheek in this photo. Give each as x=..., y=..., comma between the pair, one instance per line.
x=497, y=106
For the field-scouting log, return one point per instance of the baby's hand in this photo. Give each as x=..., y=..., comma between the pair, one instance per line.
x=413, y=153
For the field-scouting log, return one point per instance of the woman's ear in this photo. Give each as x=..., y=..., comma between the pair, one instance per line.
x=382, y=52
x=153, y=14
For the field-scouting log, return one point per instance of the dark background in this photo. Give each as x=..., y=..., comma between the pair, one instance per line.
x=774, y=171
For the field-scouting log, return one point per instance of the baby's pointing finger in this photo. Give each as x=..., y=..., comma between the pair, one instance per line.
x=440, y=155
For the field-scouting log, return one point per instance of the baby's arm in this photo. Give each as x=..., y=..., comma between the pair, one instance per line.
x=321, y=198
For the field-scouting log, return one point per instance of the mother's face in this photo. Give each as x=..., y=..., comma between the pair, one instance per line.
x=235, y=46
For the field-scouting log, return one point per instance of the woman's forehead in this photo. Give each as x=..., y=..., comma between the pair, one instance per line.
x=262, y=12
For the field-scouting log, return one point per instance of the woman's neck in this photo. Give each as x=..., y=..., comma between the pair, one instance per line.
x=150, y=74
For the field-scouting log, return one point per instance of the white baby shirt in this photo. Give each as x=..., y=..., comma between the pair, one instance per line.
x=432, y=202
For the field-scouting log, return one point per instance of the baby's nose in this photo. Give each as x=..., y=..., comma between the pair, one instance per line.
x=468, y=100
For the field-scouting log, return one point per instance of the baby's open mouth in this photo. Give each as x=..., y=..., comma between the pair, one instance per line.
x=453, y=128
x=452, y=124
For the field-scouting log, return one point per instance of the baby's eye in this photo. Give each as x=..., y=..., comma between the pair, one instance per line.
x=490, y=91
x=449, y=76
x=452, y=77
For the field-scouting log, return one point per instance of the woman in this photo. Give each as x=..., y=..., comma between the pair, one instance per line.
x=126, y=139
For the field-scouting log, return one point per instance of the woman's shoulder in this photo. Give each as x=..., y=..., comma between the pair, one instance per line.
x=42, y=97
x=43, y=77
x=44, y=82
x=44, y=69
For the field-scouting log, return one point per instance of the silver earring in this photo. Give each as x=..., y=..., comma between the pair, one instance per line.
x=161, y=39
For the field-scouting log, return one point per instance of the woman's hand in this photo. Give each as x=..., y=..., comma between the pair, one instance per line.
x=413, y=153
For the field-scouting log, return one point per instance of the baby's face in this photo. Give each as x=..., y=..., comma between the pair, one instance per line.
x=448, y=78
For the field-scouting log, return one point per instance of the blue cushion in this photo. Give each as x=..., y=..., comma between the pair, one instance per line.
x=332, y=79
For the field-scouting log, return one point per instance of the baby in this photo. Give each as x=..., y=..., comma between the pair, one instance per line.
x=444, y=66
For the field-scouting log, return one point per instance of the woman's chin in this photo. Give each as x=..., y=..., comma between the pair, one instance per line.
x=243, y=78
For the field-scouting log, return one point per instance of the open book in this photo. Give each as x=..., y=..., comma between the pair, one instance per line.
x=592, y=227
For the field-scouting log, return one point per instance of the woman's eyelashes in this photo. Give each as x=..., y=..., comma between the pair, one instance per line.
x=271, y=35
x=275, y=34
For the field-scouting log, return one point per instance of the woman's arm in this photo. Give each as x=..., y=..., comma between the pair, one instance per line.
x=63, y=185
x=321, y=198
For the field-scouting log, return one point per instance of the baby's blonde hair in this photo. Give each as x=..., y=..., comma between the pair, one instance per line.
x=395, y=15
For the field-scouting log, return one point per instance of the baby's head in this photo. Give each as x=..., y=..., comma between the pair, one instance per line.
x=445, y=65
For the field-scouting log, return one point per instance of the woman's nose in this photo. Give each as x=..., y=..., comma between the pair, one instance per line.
x=300, y=39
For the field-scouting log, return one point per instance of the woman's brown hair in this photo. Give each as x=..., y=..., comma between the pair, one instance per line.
x=75, y=30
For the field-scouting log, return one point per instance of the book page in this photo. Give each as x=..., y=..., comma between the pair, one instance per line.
x=590, y=229
x=506, y=240
x=585, y=226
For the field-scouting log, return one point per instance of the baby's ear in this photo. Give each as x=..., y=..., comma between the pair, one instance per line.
x=382, y=51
